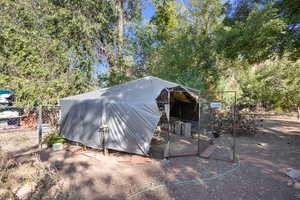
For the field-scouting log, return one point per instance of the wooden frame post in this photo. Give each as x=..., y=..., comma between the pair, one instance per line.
x=104, y=136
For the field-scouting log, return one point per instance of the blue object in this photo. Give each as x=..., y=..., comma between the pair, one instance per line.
x=7, y=91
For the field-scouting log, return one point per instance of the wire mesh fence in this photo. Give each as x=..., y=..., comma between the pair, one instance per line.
x=216, y=116
x=17, y=118
x=185, y=138
x=50, y=118
x=35, y=121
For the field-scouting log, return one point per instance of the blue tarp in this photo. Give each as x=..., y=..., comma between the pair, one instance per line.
x=6, y=91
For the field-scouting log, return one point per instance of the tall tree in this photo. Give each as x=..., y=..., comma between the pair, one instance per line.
x=178, y=42
x=261, y=39
x=50, y=43
x=35, y=62
x=259, y=29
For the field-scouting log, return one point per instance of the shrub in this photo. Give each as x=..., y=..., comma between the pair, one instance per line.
x=53, y=138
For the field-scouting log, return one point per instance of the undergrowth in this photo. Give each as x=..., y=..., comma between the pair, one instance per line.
x=53, y=138
x=39, y=181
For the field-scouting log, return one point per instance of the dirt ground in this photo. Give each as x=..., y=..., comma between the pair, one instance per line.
x=121, y=176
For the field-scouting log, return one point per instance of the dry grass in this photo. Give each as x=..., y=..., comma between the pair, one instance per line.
x=31, y=180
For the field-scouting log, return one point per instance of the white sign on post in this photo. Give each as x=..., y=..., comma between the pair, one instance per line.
x=215, y=104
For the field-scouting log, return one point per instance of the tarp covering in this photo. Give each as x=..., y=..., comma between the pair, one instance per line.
x=7, y=91
x=129, y=110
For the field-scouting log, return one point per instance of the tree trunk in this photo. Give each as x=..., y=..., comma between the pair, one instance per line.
x=120, y=26
x=258, y=106
x=120, y=40
x=298, y=109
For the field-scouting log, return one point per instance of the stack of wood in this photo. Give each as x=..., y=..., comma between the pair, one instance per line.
x=245, y=123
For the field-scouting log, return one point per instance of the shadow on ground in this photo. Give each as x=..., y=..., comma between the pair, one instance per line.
x=95, y=177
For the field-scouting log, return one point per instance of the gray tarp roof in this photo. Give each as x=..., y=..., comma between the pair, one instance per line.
x=130, y=111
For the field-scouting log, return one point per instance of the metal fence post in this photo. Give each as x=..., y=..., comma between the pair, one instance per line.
x=39, y=126
x=199, y=124
x=167, y=148
x=234, y=129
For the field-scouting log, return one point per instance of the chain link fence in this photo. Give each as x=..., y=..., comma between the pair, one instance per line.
x=50, y=118
x=217, y=115
x=17, y=118
x=35, y=121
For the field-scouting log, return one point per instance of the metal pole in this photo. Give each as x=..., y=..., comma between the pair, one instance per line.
x=39, y=126
x=234, y=130
x=169, y=124
x=199, y=125
x=167, y=109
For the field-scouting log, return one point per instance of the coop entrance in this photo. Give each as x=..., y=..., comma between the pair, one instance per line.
x=190, y=122
x=179, y=123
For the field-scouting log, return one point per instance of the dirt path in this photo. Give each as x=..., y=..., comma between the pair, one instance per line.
x=94, y=176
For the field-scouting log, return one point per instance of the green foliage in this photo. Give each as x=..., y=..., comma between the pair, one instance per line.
x=113, y=77
x=275, y=84
x=178, y=44
x=164, y=18
x=261, y=40
x=36, y=59
x=256, y=38
x=53, y=138
x=48, y=48
x=289, y=12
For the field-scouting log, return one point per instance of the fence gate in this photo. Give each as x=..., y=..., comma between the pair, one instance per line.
x=216, y=117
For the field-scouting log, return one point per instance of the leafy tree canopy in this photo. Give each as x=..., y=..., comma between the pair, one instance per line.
x=49, y=48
